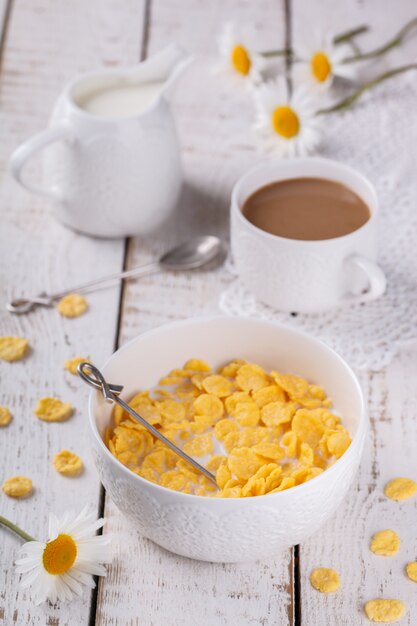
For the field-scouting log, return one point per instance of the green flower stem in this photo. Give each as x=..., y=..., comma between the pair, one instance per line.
x=349, y=34
x=15, y=529
x=350, y=100
x=287, y=52
x=342, y=38
x=392, y=43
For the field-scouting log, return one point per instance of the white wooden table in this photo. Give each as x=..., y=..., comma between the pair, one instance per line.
x=45, y=43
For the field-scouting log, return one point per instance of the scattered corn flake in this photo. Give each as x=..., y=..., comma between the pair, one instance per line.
x=307, y=427
x=325, y=579
x=411, y=569
x=278, y=412
x=72, y=364
x=197, y=365
x=384, y=611
x=385, y=543
x=53, y=410
x=68, y=463
x=72, y=305
x=400, y=489
x=5, y=416
x=13, y=348
x=17, y=486
x=217, y=385
x=251, y=377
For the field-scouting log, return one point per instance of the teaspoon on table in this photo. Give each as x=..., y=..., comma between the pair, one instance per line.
x=93, y=377
x=189, y=255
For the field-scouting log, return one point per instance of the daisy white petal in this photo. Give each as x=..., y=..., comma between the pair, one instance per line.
x=237, y=57
x=60, y=568
x=320, y=61
x=286, y=124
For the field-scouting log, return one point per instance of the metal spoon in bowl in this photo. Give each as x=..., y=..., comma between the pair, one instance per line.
x=93, y=377
x=189, y=255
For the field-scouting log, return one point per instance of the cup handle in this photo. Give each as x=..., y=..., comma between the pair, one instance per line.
x=376, y=279
x=26, y=150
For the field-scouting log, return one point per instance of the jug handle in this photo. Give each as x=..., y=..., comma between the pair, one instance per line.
x=59, y=132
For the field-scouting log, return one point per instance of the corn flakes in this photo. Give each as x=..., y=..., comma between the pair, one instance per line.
x=278, y=412
x=53, y=410
x=325, y=579
x=385, y=543
x=308, y=427
x=243, y=462
x=266, y=395
x=197, y=365
x=68, y=463
x=217, y=385
x=411, y=569
x=199, y=446
x=400, y=489
x=247, y=413
x=271, y=432
x=210, y=405
x=72, y=364
x=17, y=486
x=72, y=305
x=13, y=348
x=251, y=377
x=5, y=416
x=384, y=611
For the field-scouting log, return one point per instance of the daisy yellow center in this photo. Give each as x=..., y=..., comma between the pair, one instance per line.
x=240, y=60
x=285, y=122
x=59, y=555
x=320, y=66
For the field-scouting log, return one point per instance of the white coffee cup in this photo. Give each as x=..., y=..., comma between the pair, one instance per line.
x=306, y=276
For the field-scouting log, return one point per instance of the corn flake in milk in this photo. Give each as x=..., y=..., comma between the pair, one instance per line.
x=258, y=432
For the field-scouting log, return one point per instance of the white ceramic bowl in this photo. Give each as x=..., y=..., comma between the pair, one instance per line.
x=229, y=530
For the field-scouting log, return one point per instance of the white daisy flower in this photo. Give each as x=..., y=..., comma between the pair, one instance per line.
x=67, y=562
x=237, y=56
x=319, y=61
x=286, y=124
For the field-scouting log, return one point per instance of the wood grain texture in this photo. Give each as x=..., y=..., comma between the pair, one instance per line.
x=47, y=43
x=214, y=115
x=343, y=543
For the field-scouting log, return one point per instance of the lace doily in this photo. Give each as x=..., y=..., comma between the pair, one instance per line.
x=379, y=138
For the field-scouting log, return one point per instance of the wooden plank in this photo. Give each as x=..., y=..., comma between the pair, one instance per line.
x=47, y=43
x=343, y=543
x=147, y=585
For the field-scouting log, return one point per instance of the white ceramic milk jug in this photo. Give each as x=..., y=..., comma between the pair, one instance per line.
x=112, y=167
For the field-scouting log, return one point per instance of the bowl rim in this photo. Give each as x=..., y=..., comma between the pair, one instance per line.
x=357, y=440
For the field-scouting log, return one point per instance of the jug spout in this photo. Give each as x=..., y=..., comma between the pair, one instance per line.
x=165, y=66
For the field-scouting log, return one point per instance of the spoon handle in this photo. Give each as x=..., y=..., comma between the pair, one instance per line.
x=24, y=305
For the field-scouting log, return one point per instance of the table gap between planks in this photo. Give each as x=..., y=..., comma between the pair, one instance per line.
x=145, y=584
